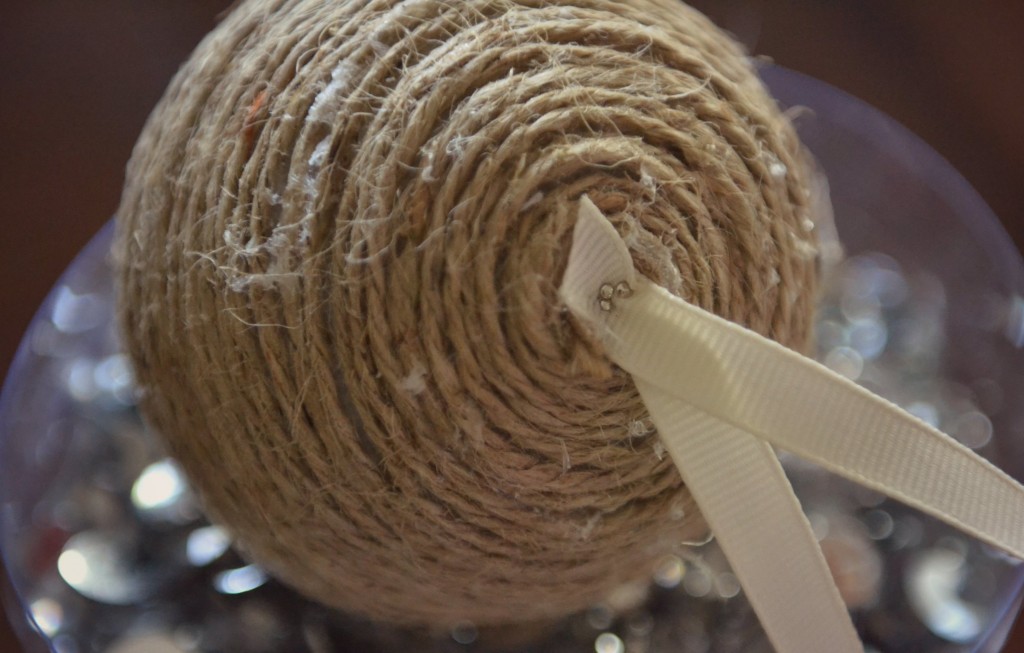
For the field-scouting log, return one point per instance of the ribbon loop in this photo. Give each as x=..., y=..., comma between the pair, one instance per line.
x=722, y=395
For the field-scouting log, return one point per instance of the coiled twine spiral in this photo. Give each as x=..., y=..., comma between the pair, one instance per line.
x=340, y=243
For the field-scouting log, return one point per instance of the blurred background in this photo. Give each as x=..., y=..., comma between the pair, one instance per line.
x=78, y=79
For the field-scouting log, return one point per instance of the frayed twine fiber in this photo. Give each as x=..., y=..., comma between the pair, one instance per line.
x=340, y=242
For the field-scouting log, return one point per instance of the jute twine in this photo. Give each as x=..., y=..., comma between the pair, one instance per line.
x=341, y=238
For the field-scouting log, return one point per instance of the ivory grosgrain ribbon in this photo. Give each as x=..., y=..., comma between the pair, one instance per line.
x=722, y=396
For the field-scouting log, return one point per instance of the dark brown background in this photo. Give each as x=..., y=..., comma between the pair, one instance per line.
x=78, y=78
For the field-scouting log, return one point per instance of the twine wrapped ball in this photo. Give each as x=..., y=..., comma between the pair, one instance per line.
x=340, y=245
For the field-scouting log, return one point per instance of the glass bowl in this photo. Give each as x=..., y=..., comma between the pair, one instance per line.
x=108, y=552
